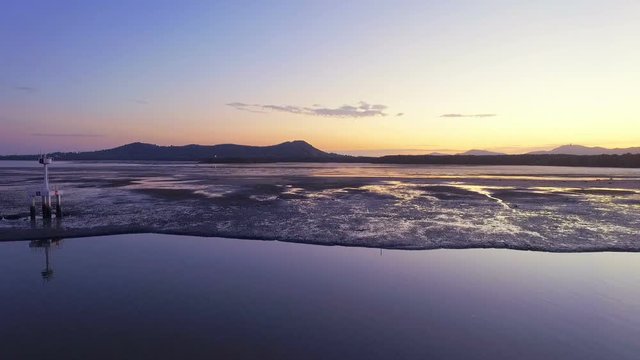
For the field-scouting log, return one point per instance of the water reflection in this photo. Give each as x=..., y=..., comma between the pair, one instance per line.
x=47, y=272
x=179, y=297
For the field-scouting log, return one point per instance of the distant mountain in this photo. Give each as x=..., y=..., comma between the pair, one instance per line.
x=287, y=151
x=586, y=150
x=301, y=151
x=476, y=152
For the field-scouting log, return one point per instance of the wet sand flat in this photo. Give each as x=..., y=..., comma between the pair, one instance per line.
x=388, y=206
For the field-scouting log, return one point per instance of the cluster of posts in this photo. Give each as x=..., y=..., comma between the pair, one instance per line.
x=46, y=195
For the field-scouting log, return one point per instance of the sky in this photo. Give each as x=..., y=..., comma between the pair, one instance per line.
x=358, y=77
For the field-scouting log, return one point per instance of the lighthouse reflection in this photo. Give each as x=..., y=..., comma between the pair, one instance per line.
x=46, y=245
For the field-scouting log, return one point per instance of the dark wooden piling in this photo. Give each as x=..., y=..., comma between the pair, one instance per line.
x=58, y=206
x=46, y=207
x=32, y=209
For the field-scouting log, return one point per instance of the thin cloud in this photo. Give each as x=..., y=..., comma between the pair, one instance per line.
x=238, y=105
x=67, y=135
x=25, y=89
x=246, y=107
x=359, y=110
x=400, y=114
x=467, y=115
x=285, y=108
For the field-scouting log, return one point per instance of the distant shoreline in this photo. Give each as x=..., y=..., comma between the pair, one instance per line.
x=631, y=161
x=616, y=161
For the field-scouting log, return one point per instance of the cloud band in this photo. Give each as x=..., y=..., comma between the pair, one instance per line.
x=360, y=110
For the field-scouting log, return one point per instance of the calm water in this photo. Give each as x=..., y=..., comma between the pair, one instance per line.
x=168, y=297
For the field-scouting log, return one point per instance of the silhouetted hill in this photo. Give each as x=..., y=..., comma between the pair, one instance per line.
x=586, y=150
x=475, y=152
x=300, y=151
x=287, y=151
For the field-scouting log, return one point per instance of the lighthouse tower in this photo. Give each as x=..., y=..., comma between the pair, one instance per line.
x=45, y=193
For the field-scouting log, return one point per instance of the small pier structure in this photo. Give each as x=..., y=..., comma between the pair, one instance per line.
x=46, y=194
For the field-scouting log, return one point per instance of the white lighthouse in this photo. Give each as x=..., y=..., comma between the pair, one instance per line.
x=46, y=161
x=45, y=193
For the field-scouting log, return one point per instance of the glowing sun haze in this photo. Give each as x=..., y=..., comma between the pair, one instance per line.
x=356, y=76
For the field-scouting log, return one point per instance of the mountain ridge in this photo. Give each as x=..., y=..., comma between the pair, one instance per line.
x=286, y=151
x=572, y=149
x=478, y=152
x=301, y=151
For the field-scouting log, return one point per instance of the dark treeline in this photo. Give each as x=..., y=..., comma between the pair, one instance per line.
x=270, y=160
x=623, y=161
x=618, y=161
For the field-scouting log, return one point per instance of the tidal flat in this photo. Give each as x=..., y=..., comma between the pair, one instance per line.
x=556, y=209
